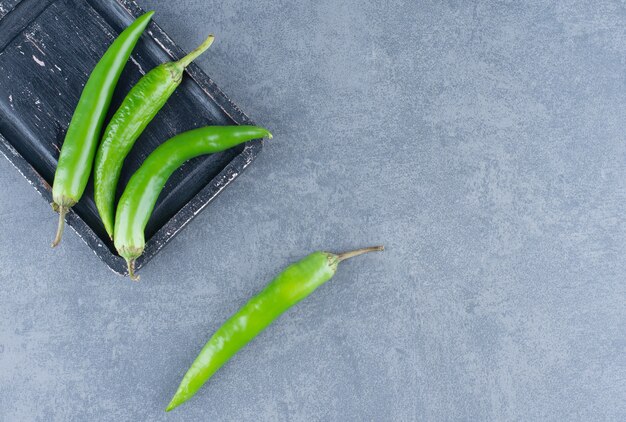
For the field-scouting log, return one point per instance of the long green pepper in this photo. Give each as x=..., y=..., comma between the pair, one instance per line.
x=83, y=133
x=144, y=187
x=139, y=107
x=295, y=283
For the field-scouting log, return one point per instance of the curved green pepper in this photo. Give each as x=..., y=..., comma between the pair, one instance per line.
x=295, y=283
x=139, y=107
x=144, y=187
x=83, y=133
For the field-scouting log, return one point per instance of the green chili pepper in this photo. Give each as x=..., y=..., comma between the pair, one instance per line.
x=83, y=133
x=295, y=283
x=139, y=107
x=143, y=188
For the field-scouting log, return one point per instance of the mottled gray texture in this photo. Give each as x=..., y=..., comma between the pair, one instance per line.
x=482, y=142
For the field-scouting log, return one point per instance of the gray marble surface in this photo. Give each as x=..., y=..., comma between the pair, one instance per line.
x=482, y=142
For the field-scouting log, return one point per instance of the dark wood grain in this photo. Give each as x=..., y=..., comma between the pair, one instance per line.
x=48, y=49
x=6, y=6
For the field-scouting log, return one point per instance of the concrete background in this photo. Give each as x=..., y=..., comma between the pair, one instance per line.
x=481, y=142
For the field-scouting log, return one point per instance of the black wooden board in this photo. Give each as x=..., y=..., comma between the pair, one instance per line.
x=47, y=51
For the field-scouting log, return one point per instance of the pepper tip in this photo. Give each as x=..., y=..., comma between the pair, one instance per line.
x=171, y=406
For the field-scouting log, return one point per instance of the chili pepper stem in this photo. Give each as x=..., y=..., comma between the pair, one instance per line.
x=185, y=61
x=62, y=212
x=350, y=254
x=131, y=269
